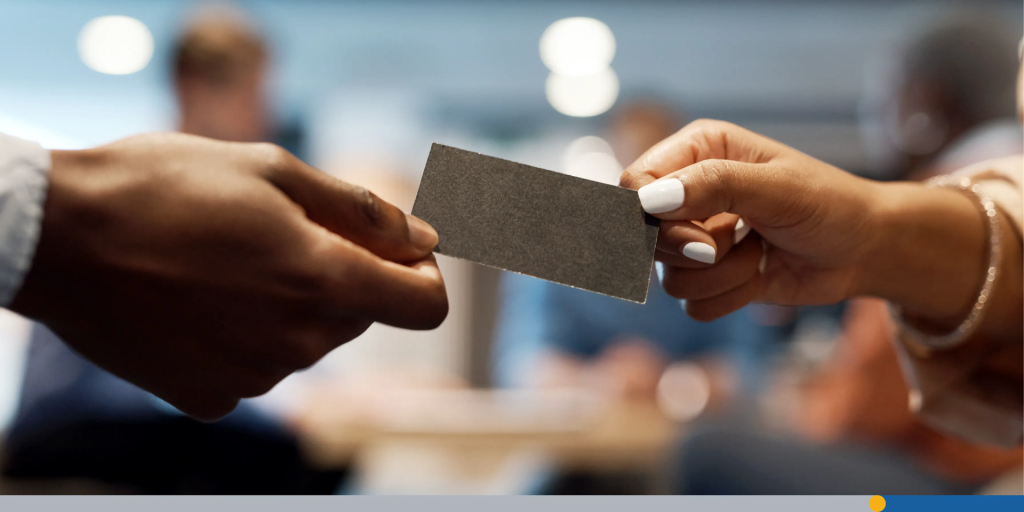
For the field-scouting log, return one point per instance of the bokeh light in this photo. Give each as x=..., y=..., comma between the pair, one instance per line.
x=683, y=391
x=577, y=46
x=592, y=158
x=583, y=96
x=115, y=45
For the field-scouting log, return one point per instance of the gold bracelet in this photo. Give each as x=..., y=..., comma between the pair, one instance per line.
x=973, y=320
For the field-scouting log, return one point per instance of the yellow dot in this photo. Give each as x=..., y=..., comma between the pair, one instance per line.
x=877, y=503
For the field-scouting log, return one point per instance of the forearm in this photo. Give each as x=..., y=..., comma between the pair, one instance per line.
x=931, y=255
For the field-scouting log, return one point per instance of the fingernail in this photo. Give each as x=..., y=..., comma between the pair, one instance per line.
x=662, y=195
x=682, y=304
x=421, y=234
x=699, y=251
x=741, y=231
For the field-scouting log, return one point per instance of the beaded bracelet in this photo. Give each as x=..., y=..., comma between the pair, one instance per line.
x=970, y=324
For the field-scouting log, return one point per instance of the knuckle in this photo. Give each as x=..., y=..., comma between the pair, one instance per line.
x=714, y=177
x=628, y=180
x=309, y=282
x=274, y=157
x=368, y=207
x=703, y=125
x=711, y=125
x=712, y=172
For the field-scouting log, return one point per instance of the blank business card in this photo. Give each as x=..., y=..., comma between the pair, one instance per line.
x=511, y=216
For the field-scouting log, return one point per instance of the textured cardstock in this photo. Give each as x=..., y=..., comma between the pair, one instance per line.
x=536, y=222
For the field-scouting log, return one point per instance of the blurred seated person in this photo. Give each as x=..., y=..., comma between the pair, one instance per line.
x=76, y=421
x=854, y=431
x=556, y=336
x=853, y=434
x=860, y=395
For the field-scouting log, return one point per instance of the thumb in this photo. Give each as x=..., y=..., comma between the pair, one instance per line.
x=354, y=213
x=763, y=192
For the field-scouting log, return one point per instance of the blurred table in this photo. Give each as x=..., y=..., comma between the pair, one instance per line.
x=477, y=441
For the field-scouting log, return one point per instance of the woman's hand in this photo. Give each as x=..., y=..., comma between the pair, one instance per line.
x=710, y=174
x=828, y=234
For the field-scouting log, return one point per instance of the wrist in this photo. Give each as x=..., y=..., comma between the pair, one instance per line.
x=61, y=222
x=929, y=253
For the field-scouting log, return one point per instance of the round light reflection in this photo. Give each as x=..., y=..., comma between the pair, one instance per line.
x=683, y=391
x=115, y=45
x=592, y=158
x=587, y=144
x=583, y=96
x=577, y=46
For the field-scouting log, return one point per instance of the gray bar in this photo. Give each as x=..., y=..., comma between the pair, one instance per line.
x=435, y=503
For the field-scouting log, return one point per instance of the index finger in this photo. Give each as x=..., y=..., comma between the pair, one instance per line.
x=703, y=139
x=351, y=211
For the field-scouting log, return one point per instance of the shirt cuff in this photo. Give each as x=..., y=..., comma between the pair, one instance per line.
x=24, y=169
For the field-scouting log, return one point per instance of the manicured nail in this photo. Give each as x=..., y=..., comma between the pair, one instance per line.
x=659, y=267
x=682, y=304
x=699, y=251
x=421, y=234
x=662, y=195
x=740, y=232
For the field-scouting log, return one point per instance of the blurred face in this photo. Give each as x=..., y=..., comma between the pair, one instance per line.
x=903, y=122
x=232, y=111
x=918, y=126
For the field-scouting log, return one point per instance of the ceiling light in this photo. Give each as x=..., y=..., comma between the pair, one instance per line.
x=115, y=45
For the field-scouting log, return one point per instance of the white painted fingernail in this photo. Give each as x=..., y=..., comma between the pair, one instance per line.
x=740, y=232
x=699, y=251
x=662, y=196
x=682, y=304
x=659, y=267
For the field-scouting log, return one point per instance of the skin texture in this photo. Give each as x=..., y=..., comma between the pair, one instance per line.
x=830, y=235
x=207, y=271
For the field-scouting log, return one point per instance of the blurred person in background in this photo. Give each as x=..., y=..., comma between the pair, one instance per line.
x=943, y=100
x=854, y=432
x=77, y=421
x=551, y=336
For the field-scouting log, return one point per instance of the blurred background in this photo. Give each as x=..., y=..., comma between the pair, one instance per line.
x=528, y=387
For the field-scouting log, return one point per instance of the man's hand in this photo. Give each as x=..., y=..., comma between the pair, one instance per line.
x=206, y=271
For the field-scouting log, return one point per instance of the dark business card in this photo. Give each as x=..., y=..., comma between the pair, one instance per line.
x=536, y=222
